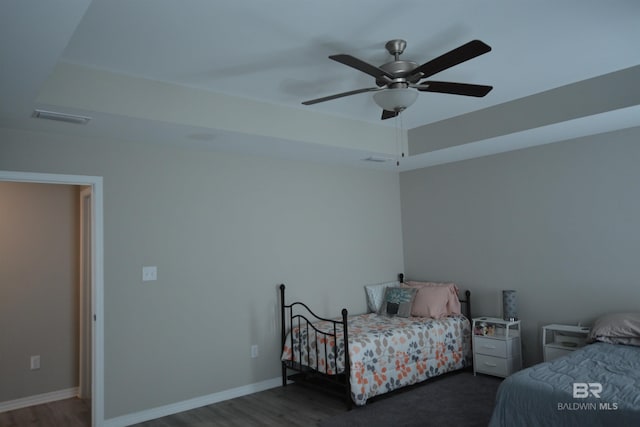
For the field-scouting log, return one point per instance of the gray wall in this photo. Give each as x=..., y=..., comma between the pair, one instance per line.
x=559, y=223
x=224, y=231
x=38, y=288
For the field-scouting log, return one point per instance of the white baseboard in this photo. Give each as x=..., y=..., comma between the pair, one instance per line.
x=186, y=405
x=38, y=399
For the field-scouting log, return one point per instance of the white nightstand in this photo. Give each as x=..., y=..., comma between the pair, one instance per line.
x=560, y=340
x=496, y=346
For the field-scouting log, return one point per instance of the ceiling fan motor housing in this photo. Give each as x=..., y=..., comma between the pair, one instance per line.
x=400, y=69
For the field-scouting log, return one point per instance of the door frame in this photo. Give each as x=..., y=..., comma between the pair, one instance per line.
x=85, y=311
x=97, y=273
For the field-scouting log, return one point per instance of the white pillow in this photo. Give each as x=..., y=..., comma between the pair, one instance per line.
x=617, y=328
x=375, y=295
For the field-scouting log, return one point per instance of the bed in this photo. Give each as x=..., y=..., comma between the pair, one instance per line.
x=366, y=355
x=597, y=385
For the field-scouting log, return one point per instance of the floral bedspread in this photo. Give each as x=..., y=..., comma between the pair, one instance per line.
x=385, y=353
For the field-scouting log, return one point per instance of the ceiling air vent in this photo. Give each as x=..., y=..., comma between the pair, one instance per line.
x=376, y=159
x=61, y=117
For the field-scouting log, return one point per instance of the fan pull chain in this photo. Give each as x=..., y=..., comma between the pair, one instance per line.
x=399, y=139
x=402, y=133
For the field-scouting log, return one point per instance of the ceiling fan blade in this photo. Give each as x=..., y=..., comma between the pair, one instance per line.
x=340, y=95
x=454, y=88
x=386, y=114
x=454, y=57
x=360, y=65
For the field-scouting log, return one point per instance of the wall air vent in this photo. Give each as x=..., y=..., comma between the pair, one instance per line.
x=376, y=159
x=60, y=117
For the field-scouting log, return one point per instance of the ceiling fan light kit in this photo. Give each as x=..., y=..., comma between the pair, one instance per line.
x=398, y=82
x=396, y=100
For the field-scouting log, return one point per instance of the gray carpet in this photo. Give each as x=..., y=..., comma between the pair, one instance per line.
x=458, y=399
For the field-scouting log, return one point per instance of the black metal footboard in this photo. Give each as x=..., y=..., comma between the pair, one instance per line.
x=298, y=316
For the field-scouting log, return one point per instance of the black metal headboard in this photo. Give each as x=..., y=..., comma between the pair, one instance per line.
x=466, y=301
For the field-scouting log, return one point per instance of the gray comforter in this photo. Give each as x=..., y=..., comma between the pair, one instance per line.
x=597, y=385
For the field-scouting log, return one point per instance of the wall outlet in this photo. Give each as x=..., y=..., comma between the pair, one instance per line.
x=149, y=273
x=254, y=351
x=35, y=362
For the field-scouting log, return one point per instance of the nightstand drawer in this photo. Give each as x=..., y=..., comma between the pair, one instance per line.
x=490, y=347
x=491, y=365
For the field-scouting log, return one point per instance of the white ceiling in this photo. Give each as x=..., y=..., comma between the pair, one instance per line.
x=275, y=53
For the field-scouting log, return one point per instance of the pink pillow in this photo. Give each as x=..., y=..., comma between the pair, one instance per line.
x=414, y=284
x=435, y=299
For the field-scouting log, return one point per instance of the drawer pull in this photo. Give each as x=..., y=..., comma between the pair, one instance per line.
x=493, y=365
x=489, y=346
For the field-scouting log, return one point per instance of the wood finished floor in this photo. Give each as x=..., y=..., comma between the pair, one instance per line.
x=68, y=412
x=281, y=406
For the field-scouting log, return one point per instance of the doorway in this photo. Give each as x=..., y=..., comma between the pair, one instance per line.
x=93, y=347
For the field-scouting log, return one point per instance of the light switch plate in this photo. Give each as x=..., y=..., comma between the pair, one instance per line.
x=35, y=362
x=149, y=273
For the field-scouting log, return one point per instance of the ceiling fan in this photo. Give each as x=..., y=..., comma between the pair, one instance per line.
x=398, y=81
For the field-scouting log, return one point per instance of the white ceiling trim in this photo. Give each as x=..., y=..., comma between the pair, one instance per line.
x=590, y=125
x=81, y=88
